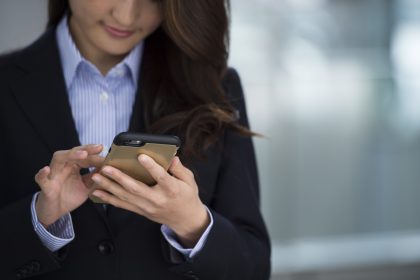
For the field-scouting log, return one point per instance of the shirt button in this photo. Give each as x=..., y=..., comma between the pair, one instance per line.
x=105, y=247
x=103, y=97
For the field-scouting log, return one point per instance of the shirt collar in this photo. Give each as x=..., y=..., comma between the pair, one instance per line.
x=71, y=57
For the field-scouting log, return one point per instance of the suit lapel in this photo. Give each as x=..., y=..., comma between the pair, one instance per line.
x=42, y=94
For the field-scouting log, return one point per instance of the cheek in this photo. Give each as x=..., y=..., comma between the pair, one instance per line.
x=152, y=20
x=153, y=25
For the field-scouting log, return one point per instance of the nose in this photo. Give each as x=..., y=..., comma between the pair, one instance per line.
x=126, y=12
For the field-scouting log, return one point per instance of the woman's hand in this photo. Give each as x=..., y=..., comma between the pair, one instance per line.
x=173, y=201
x=63, y=189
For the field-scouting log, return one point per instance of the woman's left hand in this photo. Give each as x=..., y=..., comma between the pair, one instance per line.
x=173, y=201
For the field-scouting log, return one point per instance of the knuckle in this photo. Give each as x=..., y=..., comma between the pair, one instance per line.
x=57, y=153
x=158, y=200
x=124, y=197
x=190, y=174
x=74, y=168
x=162, y=201
x=173, y=192
x=162, y=177
x=151, y=211
x=104, y=183
x=72, y=151
x=135, y=190
x=115, y=175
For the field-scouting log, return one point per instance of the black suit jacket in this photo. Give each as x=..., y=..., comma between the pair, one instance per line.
x=36, y=120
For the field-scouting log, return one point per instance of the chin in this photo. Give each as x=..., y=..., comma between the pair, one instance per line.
x=116, y=47
x=116, y=50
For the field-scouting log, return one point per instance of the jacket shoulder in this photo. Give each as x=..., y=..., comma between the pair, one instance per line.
x=7, y=60
x=30, y=55
x=232, y=86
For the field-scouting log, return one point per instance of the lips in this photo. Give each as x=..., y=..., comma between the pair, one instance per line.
x=118, y=33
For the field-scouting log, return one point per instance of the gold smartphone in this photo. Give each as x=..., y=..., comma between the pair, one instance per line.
x=126, y=148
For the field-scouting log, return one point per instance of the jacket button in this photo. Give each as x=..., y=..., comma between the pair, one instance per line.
x=105, y=247
x=35, y=266
x=190, y=274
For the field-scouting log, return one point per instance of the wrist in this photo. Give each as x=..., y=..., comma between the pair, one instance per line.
x=190, y=232
x=45, y=213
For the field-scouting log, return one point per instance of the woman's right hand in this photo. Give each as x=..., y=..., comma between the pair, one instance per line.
x=63, y=189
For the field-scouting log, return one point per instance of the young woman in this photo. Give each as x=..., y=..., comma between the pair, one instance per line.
x=107, y=66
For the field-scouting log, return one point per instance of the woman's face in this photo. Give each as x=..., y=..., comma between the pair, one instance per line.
x=112, y=27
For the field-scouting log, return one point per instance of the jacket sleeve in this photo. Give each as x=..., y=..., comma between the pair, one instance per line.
x=238, y=245
x=26, y=255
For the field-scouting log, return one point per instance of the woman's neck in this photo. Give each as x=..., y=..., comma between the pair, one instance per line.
x=103, y=61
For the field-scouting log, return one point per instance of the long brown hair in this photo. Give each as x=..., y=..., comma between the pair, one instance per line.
x=189, y=53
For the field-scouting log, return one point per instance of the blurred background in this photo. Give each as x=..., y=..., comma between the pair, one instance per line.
x=335, y=87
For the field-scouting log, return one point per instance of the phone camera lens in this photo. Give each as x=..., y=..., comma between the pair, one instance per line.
x=133, y=143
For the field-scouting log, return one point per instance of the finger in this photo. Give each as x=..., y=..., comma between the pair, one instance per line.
x=115, y=201
x=91, y=161
x=41, y=178
x=91, y=149
x=108, y=185
x=76, y=155
x=128, y=183
x=161, y=176
x=57, y=161
x=178, y=170
x=62, y=159
x=87, y=180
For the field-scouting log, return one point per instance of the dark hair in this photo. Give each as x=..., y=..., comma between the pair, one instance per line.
x=189, y=52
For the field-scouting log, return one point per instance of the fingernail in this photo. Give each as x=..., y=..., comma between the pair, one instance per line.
x=97, y=193
x=176, y=160
x=144, y=158
x=96, y=178
x=79, y=153
x=107, y=170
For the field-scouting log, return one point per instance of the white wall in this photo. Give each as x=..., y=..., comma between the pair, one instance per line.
x=21, y=22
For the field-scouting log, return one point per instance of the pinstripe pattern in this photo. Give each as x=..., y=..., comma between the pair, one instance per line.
x=101, y=106
x=172, y=239
x=58, y=234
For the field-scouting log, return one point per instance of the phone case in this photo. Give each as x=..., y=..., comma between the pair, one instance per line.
x=126, y=148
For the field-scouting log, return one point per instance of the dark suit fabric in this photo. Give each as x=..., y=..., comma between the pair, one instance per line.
x=36, y=120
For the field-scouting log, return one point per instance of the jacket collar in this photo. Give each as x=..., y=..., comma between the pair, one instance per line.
x=42, y=94
x=71, y=57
